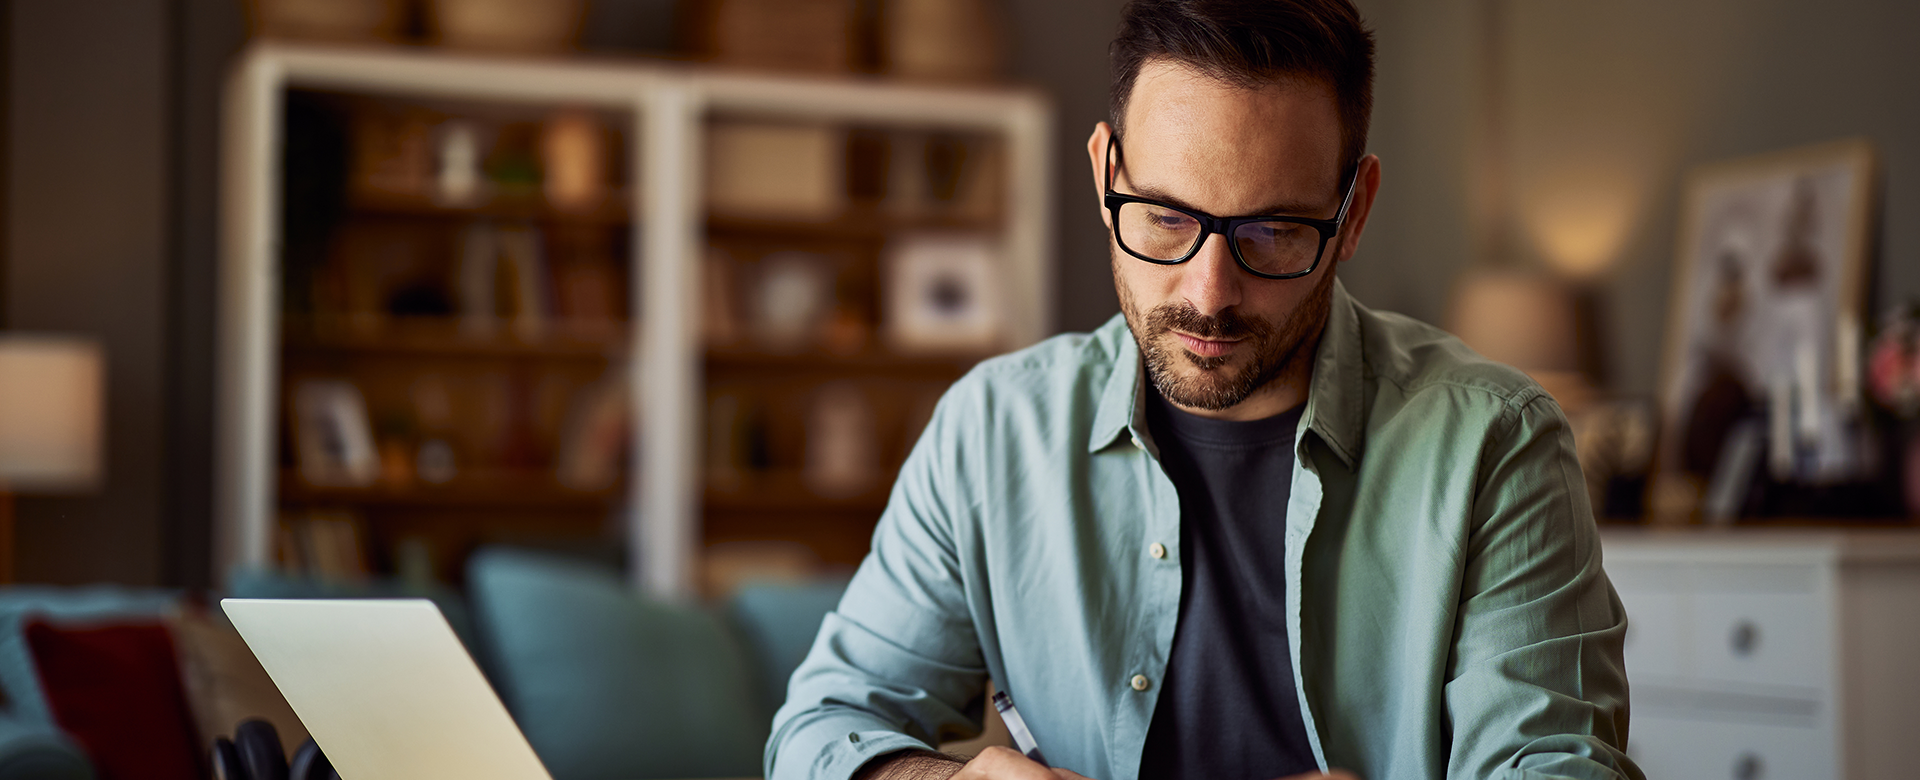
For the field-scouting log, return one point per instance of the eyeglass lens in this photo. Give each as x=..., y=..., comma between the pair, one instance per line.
x=1164, y=234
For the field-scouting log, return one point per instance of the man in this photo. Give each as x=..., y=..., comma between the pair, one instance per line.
x=1250, y=529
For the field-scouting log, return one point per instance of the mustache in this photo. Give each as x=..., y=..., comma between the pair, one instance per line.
x=1183, y=317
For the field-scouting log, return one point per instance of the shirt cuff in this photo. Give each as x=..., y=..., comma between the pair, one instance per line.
x=835, y=748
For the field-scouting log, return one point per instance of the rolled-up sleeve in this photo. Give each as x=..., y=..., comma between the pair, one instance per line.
x=898, y=665
x=1537, y=687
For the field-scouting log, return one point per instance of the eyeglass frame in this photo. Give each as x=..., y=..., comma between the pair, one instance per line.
x=1210, y=224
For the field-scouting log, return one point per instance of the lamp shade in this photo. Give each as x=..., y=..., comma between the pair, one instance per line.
x=51, y=405
x=1527, y=320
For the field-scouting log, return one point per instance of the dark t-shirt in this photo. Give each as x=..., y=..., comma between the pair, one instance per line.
x=1228, y=708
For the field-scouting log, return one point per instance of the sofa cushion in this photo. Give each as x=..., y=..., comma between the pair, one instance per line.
x=607, y=684
x=24, y=699
x=778, y=621
x=116, y=690
x=31, y=751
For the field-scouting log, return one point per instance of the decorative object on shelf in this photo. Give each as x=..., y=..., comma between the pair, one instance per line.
x=793, y=295
x=1614, y=442
x=435, y=462
x=534, y=26
x=361, y=21
x=52, y=408
x=842, y=447
x=943, y=293
x=573, y=150
x=1893, y=380
x=596, y=436
x=1765, y=320
x=810, y=36
x=393, y=152
x=943, y=40
x=775, y=171
x=458, y=180
x=333, y=441
x=328, y=545
x=719, y=314
x=491, y=255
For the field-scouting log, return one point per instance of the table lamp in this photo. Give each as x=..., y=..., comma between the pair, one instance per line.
x=52, y=394
x=1531, y=321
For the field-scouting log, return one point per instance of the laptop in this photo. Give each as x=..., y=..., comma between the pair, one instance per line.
x=386, y=688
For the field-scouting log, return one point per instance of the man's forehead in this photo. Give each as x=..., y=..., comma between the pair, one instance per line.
x=1200, y=140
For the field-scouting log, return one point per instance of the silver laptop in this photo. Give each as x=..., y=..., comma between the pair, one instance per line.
x=386, y=689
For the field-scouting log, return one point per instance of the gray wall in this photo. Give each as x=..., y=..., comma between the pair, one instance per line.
x=87, y=243
x=1596, y=111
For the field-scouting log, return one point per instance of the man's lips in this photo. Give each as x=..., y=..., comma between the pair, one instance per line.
x=1205, y=347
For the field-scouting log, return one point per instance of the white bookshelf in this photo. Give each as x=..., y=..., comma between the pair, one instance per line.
x=670, y=105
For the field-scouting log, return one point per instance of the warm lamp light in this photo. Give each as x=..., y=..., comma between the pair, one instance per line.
x=51, y=403
x=1530, y=321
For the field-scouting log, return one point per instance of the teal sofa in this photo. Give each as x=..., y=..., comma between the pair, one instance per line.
x=606, y=684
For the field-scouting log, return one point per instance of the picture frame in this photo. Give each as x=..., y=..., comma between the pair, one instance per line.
x=333, y=440
x=943, y=293
x=1764, y=320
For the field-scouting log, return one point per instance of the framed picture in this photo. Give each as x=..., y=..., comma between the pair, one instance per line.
x=1764, y=323
x=332, y=438
x=943, y=293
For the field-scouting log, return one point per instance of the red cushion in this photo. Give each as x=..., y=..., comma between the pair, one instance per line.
x=116, y=690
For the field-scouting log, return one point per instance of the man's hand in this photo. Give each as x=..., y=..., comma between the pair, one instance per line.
x=994, y=763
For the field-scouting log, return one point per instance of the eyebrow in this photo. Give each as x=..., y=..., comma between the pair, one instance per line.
x=1282, y=209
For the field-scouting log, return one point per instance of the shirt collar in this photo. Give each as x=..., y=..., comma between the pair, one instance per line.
x=1334, y=399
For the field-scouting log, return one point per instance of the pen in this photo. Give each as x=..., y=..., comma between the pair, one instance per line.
x=1022, y=738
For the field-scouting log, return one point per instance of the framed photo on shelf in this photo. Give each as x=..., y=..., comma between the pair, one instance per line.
x=943, y=293
x=333, y=441
x=1764, y=324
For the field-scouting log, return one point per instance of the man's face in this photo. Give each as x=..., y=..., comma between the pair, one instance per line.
x=1216, y=338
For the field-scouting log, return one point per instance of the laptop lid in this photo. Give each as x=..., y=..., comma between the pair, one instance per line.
x=386, y=688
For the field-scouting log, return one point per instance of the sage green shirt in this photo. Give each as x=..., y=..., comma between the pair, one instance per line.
x=1445, y=600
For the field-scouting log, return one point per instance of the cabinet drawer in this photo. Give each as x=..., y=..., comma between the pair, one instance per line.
x=1657, y=631
x=1765, y=638
x=1709, y=750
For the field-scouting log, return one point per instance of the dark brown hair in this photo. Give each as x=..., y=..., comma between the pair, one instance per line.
x=1252, y=43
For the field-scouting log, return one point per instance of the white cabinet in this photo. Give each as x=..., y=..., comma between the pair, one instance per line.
x=1757, y=655
x=671, y=107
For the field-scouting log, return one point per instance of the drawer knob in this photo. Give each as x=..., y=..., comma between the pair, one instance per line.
x=1745, y=638
x=1749, y=767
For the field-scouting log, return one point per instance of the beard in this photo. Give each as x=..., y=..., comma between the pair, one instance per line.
x=1270, y=350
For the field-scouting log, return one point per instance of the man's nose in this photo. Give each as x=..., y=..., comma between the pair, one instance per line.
x=1212, y=280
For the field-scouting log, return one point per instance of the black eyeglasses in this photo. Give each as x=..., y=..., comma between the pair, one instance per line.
x=1269, y=247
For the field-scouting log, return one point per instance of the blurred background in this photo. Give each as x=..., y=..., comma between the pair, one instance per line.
x=1549, y=139
x=335, y=296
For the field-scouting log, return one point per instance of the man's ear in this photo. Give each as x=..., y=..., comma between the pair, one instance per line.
x=1366, y=186
x=1097, y=159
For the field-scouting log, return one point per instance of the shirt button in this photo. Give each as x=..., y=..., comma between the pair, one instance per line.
x=1157, y=550
x=1136, y=443
x=1139, y=682
x=854, y=737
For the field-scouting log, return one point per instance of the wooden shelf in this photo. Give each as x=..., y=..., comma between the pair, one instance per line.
x=444, y=337
x=867, y=361
x=787, y=491
x=612, y=210
x=492, y=490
